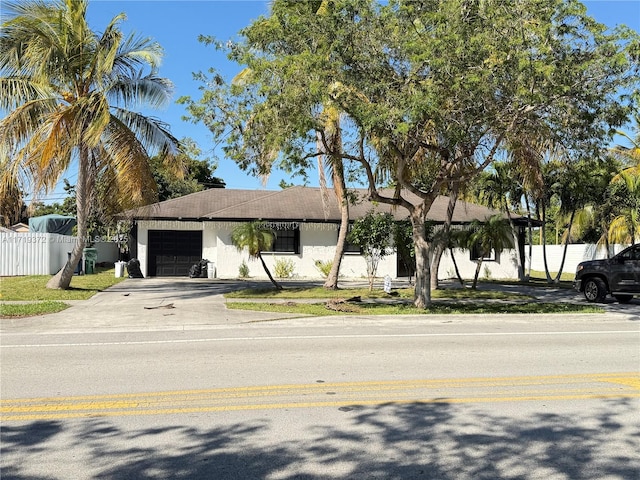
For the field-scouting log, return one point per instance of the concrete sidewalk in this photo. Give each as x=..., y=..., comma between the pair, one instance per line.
x=185, y=303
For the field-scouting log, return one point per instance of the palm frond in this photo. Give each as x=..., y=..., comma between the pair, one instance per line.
x=128, y=158
x=152, y=133
x=149, y=90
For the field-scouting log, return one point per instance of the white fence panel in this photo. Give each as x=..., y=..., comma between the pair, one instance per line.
x=33, y=253
x=575, y=254
x=43, y=253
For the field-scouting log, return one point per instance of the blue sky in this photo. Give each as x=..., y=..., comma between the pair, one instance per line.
x=176, y=26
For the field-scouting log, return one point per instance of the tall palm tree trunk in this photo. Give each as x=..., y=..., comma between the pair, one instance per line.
x=340, y=189
x=333, y=148
x=455, y=266
x=62, y=279
x=566, y=245
x=477, y=274
x=527, y=274
x=543, y=241
x=442, y=244
x=266, y=269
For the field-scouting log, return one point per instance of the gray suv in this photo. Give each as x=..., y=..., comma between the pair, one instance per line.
x=618, y=276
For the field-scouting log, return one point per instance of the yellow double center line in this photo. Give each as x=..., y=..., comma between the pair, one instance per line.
x=466, y=390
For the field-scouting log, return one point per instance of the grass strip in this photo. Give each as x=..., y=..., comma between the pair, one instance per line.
x=33, y=287
x=402, y=293
x=438, y=308
x=13, y=310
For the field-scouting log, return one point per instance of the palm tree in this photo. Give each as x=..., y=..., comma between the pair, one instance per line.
x=330, y=145
x=11, y=202
x=68, y=91
x=501, y=189
x=625, y=228
x=630, y=156
x=576, y=185
x=256, y=237
x=494, y=234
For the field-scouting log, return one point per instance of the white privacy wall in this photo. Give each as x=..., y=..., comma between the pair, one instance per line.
x=33, y=253
x=43, y=253
x=575, y=254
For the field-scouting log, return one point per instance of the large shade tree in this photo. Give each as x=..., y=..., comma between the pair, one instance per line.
x=68, y=93
x=430, y=91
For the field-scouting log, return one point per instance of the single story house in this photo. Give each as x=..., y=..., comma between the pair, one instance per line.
x=170, y=236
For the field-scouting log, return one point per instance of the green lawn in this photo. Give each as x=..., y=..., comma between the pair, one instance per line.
x=406, y=293
x=31, y=309
x=33, y=288
x=565, y=278
x=446, y=301
x=438, y=308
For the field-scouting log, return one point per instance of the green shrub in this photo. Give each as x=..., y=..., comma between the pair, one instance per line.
x=284, y=268
x=487, y=273
x=243, y=270
x=324, y=267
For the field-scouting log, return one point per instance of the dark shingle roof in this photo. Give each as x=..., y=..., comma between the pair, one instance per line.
x=294, y=203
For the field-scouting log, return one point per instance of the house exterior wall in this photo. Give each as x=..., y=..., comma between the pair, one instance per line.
x=317, y=242
x=504, y=267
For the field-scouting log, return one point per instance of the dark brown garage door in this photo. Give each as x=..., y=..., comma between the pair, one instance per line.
x=171, y=253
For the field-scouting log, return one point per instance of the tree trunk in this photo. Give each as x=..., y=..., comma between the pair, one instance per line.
x=530, y=236
x=455, y=266
x=62, y=279
x=370, y=274
x=422, y=292
x=543, y=230
x=341, y=193
x=266, y=269
x=440, y=246
x=438, y=250
x=566, y=245
x=475, y=277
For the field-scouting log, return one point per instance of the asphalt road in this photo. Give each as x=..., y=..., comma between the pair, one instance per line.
x=471, y=397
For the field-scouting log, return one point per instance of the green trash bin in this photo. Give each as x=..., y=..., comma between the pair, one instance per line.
x=90, y=259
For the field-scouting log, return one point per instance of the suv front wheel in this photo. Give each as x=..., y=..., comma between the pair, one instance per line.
x=595, y=290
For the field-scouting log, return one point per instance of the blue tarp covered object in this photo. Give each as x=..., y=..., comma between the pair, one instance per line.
x=52, y=223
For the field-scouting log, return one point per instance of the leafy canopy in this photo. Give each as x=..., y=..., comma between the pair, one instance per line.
x=430, y=92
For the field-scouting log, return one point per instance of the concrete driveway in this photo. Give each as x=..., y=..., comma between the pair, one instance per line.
x=185, y=303
x=146, y=304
